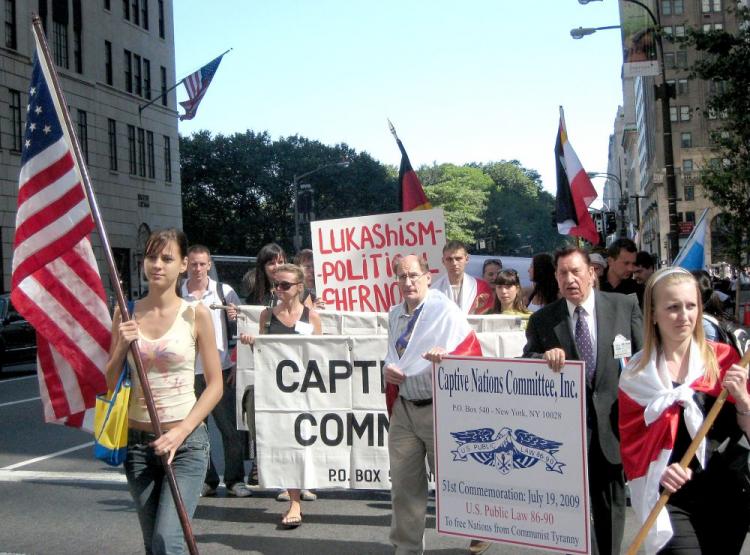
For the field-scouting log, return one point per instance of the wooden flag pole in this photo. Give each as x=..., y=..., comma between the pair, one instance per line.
x=68, y=130
x=684, y=462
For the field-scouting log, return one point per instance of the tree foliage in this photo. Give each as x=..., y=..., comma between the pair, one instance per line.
x=724, y=61
x=238, y=194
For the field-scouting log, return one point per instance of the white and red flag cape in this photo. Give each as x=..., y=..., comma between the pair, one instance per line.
x=440, y=323
x=56, y=284
x=649, y=418
x=477, y=297
x=575, y=193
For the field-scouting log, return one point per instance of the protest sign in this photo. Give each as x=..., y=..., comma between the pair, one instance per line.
x=320, y=411
x=510, y=452
x=354, y=256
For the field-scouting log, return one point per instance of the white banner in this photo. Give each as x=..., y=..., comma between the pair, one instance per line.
x=354, y=256
x=510, y=452
x=320, y=412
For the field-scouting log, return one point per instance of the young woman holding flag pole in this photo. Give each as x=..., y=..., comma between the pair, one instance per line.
x=677, y=436
x=49, y=79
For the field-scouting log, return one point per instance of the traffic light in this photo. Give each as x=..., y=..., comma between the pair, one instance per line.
x=611, y=223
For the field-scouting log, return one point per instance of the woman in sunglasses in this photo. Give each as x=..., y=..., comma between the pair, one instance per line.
x=508, y=295
x=287, y=317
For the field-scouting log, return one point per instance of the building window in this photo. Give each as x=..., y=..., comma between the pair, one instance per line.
x=684, y=113
x=666, y=7
x=681, y=60
x=167, y=160
x=669, y=60
x=126, y=9
x=77, y=36
x=136, y=13
x=15, y=120
x=705, y=6
x=715, y=163
x=147, y=78
x=112, y=132
x=687, y=165
x=150, y=154
x=144, y=13
x=83, y=133
x=682, y=86
x=11, y=41
x=668, y=31
x=161, y=19
x=690, y=217
x=718, y=26
x=686, y=140
x=107, y=5
x=131, y=149
x=108, y=62
x=689, y=192
x=716, y=5
x=60, y=43
x=673, y=113
x=128, y=71
x=679, y=30
x=137, y=75
x=163, y=86
x=711, y=113
x=141, y=152
x=678, y=7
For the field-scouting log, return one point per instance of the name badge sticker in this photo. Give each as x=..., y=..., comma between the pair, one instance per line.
x=622, y=347
x=303, y=328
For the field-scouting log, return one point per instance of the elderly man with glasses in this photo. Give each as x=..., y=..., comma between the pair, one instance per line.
x=425, y=326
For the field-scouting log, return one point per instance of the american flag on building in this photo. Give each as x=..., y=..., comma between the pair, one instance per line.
x=196, y=85
x=56, y=284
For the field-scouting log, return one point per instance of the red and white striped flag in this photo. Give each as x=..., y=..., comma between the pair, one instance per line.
x=196, y=85
x=56, y=284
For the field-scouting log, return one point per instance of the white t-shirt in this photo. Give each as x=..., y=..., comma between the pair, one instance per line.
x=217, y=317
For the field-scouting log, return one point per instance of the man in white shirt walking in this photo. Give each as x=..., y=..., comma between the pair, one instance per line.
x=199, y=287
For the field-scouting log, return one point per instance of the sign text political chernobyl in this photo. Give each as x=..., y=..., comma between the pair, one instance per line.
x=354, y=256
x=510, y=452
x=320, y=411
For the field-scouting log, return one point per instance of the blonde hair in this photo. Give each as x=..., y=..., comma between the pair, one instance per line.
x=299, y=274
x=652, y=337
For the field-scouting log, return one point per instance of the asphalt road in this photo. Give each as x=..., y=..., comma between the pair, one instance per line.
x=55, y=498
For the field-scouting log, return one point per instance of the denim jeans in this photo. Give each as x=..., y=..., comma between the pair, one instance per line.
x=162, y=532
x=232, y=439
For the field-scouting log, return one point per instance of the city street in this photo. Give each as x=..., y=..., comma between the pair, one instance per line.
x=58, y=499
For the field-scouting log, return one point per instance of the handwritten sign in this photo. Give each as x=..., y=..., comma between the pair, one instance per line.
x=354, y=256
x=510, y=452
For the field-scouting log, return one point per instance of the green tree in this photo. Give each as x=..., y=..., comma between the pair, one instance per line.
x=462, y=192
x=238, y=194
x=724, y=61
x=517, y=219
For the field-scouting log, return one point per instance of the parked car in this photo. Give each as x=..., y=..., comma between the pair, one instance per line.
x=17, y=336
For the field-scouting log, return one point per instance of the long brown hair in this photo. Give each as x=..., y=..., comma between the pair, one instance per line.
x=510, y=278
x=652, y=337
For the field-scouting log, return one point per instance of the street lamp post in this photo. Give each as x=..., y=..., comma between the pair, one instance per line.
x=297, y=239
x=622, y=204
x=663, y=92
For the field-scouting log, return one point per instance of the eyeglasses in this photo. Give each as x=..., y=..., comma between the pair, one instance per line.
x=284, y=285
x=410, y=277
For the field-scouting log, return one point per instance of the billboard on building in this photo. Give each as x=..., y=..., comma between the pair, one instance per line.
x=638, y=39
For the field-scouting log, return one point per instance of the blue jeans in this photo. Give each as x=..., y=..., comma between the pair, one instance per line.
x=232, y=439
x=162, y=532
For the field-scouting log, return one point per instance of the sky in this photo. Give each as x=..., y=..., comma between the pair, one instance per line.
x=469, y=81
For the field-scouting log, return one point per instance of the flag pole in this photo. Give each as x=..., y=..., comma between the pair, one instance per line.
x=68, y=130
x=684, y=463
x=401, y=148
x=177, y=84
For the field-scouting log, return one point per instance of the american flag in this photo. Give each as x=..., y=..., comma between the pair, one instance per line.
x=56, y=284
x=196, y=85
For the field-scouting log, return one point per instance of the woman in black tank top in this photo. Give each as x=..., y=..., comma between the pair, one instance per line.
x=288, y=317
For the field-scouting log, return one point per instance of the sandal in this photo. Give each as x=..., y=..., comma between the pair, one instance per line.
x=289, y=523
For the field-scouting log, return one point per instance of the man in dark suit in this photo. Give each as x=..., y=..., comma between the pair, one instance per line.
x=594, y=327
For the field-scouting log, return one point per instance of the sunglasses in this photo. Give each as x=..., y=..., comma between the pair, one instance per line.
x=284, y=285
